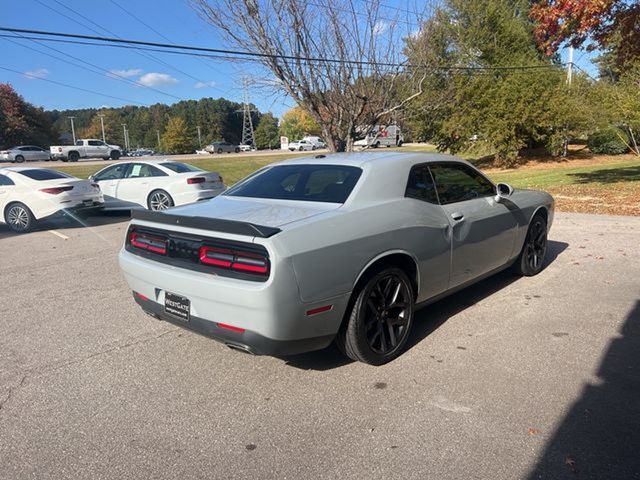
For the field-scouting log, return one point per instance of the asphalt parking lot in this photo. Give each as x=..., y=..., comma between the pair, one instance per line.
x=512, y=378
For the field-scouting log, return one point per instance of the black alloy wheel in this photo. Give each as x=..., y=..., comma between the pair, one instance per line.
x=531, y=258
x=381, y=318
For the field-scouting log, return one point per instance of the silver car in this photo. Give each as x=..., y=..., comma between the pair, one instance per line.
x=25, y=153
x=341, y=248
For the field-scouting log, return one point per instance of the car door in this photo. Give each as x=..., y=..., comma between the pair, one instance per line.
x=139, y=180
x=94, y=148
x=482, y=230
x=40, y=154
x=108, y=180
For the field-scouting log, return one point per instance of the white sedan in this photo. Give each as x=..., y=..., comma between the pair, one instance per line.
x=25, y=153
x=301, y=145
x=155, y=185
x=31, y=194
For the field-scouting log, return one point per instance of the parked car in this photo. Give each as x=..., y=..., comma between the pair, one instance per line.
x=220, y=147
x=86, y=148
x=316, y=141
x=301, y=145
x=24, y=153
x=28, y=195
x=141, y=152
x=155, y=185
x=247, y=148
x=339, y=248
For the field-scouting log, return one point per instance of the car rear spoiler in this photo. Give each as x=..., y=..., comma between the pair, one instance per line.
x=203, y=223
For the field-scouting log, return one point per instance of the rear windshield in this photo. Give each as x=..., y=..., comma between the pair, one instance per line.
x=310, y=183
x=43, y=174
x=180, y=167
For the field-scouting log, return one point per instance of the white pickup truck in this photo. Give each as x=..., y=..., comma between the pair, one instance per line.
x=86, y=148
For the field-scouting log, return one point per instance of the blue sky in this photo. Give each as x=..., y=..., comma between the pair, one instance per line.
x=169, y=78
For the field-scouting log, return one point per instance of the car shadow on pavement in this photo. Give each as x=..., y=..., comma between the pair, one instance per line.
x=430, y=318
x=600, y=436
x=66, y=222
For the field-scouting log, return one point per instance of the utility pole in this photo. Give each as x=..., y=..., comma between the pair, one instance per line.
x=104, y=139
x=158, y=133
x=73, y=130
x=124, y=129
x=247, y=122
x=199, y=137
x=570, y=66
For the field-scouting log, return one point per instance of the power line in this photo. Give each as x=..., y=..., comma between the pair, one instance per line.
x=36, y=77
x=95, y=68
x=247, y=54
x=146, y=55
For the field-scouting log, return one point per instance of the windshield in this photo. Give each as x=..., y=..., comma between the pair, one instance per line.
x=179, y=167
x=310, y=183
x=43, y=174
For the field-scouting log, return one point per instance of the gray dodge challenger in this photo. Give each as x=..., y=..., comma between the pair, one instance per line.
x=342, y=248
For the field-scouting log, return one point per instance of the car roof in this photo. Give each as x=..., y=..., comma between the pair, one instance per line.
x=369, y=159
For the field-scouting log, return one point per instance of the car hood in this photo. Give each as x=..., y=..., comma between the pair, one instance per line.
x=267, y=212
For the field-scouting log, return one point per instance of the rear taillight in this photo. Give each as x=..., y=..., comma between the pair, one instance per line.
x=235, y=260
x=193, y=180
x=149, y=243
x=56, y=190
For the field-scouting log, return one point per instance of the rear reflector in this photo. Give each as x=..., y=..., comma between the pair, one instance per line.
x=141, y=296
x=56, y=190
x=149, y=243
x=193, y=180
x=231, y=327
x=315, y=311
x=234, y=260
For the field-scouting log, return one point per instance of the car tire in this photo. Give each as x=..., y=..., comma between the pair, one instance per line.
x=237, y=150
x=313, y=147
x=19, y=218
x=377, y=145
x=19, y=159
x=375, y=331
x=74, y=156
x=159, y=200
x=114, y=155
x=219, y=150
x=400, y=143
x=531, y=259
x=301, y=149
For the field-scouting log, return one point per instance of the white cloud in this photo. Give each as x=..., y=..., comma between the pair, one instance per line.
x=380, y=27
x=210, y=84
x=38, y=73
x=154, y=79
x=130, y=72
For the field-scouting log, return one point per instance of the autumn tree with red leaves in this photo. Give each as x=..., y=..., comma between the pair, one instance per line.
x=21, y=122
x=612, y=26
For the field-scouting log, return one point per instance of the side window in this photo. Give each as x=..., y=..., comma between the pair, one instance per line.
x=112, y=173
x=420, y=185
x=95, y=143
x=79, y=143
x=458, y=182
x=4, y=181
x=138, y=170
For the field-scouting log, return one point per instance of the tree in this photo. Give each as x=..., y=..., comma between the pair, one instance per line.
x=609, y=25
x=22, y=122
x=337, y=59
x=296, y=123
x=501, y=109
x=112, y=127
x=266, y=134
x=176, y=138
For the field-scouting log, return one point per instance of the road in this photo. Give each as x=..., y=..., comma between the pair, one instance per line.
x=182, y=158
x=513, y=378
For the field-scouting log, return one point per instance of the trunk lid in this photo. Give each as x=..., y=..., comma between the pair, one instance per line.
x=267, y=212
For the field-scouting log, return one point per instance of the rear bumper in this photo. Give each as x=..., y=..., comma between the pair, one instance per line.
x=270, y=314
x=247, y=341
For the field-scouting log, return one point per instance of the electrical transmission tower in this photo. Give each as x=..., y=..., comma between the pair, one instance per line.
x=247, y=122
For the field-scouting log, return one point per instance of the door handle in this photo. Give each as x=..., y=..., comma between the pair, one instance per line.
x=457, y=216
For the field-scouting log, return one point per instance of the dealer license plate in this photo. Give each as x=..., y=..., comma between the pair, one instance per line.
x=177, y=306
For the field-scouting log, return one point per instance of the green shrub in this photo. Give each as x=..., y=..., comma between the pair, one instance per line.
x=608, y=141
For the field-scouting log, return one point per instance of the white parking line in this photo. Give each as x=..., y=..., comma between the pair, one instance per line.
x=58, y=234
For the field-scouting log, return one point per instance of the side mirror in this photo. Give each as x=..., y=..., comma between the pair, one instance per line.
x=503, y=190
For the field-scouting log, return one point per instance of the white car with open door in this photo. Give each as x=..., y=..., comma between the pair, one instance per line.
x=28, y=195
x=155, y=185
